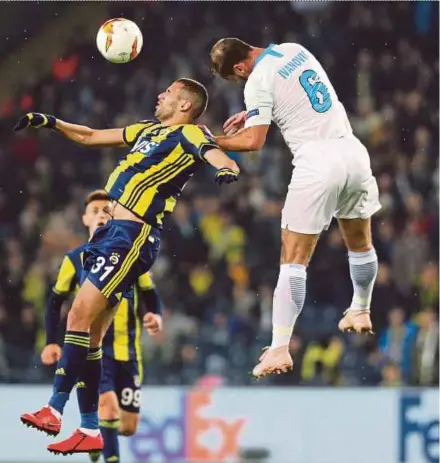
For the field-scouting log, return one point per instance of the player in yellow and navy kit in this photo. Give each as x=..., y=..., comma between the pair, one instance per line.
x=165, y=152
x=119, y=401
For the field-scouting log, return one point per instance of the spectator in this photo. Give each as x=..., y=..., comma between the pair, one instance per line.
x=397, y=341
x=426, y=353
x=220, y=250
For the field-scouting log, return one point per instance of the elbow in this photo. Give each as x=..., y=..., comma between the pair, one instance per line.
x=256, y=142
x=87, y=139
x=256, y=145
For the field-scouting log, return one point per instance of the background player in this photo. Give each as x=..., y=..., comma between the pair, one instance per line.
x=119, y=401
x=331, y=176
x=165, y=154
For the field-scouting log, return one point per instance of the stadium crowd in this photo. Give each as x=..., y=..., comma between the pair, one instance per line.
x=219, y=257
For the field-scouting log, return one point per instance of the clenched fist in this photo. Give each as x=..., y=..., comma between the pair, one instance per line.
x=51, y=354
x=36, y=120
x=152, y=323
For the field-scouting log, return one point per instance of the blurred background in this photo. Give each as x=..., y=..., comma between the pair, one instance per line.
x=220, y=250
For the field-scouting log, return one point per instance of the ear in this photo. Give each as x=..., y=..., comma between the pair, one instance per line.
x=84, y=221
x=239, y=68
x=185, y=105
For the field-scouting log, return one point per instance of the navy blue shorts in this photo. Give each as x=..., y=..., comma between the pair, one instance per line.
x=125, y=379
x=118, y=253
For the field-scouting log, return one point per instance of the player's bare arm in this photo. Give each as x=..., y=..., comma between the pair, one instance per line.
x=80, y=134
x=218, y=159
x=86, y=136
x=247, y=139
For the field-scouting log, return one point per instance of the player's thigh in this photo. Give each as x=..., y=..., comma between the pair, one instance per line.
x=312, y=195
x=87, y=306
x=129, y=423
x=356, y=234
x=297, y=248
x=360, y=197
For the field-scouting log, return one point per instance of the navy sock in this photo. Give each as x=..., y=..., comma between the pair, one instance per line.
x=88, y=389
x=70, y=366
x=110, y=432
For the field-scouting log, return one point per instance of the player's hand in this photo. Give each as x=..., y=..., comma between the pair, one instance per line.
x=234, y=123
x=152, y=323
x=36, y=120
x=226, y=175
x=51, y=354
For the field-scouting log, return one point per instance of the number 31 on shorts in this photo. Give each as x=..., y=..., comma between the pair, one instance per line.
x=100, y=265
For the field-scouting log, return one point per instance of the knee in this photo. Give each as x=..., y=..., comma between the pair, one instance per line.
x=96, y=337
x=79, y=318
x=296, y=248
x=360, y=244
x=128, y=425
x=108, y=406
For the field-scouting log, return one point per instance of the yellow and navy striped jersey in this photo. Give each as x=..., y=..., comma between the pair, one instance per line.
x=123, y=338
x=149, y=180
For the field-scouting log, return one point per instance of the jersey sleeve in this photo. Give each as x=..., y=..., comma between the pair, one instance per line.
x=258, y=97
x=199, y=140
x=132, y=132
x=66, y=277
x=151, y=301
x=145, y=282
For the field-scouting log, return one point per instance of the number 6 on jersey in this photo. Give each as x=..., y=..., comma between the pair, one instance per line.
x=317, y=92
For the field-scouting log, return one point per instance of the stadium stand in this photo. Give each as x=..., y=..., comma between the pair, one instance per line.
x=219, y=258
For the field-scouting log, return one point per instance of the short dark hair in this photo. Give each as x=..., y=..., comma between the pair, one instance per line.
x=97, y=195
x=226, y=53
x=199, y=96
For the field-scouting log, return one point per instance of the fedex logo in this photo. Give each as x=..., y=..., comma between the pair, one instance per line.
x=422, y=432
x=188, y=435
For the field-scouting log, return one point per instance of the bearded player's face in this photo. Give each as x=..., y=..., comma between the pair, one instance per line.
x=168, y=101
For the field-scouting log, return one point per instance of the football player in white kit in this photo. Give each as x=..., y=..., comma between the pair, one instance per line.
x=331, y=176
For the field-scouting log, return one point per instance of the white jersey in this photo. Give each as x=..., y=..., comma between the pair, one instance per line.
x=289, y=86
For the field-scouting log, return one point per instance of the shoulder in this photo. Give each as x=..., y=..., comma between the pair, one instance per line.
x=261, y=78
x=145, y=282
x=197, y=133
x=132, y=132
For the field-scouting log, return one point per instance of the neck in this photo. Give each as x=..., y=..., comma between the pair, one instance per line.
x=254, y=54
x=175, y=120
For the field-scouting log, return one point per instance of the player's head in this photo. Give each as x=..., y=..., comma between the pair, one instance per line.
x=233, y=59
x=184, y=101
x=97, y=210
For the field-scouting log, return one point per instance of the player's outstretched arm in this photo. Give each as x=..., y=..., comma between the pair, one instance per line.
x=90, y=137
x=77, y=133
x=227, y=169
x=247, y=139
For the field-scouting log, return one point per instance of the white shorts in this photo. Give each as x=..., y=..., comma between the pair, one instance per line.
x=331, y=178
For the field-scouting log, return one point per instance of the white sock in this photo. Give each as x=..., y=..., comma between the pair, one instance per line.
x=90, y=432
x=56, y=413
x=363, y=272
x=288, y=301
